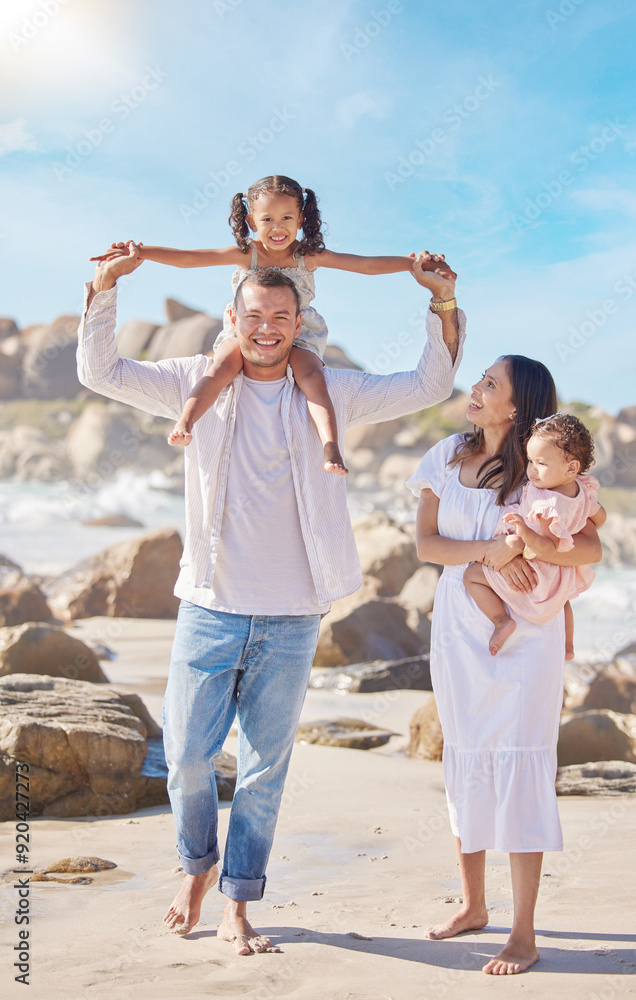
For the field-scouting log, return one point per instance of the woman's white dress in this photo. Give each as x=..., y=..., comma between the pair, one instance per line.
x=499, y=714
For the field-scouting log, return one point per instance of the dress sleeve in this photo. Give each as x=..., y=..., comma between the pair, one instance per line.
x=590, y=485
x=549, y=509
x=432, y=471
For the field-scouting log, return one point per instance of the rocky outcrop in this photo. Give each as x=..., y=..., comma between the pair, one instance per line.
x=412, y=673
x=350, y=733
x=34, y=648
x=28, y=453
x=426, y=738
x=21, y=599
x=134, y=337
x=131, y=579
x=419, y=590
x=602, y=778
x=386, y=550
x=191, y=335
x=596, y=735
x=614, y=687
x=618, y=538
x=108, y=436
x=49, y=370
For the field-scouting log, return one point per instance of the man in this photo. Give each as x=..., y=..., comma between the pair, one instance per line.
x=268, y=547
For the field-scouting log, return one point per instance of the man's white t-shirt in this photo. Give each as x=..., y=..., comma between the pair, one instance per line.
x=262, y=566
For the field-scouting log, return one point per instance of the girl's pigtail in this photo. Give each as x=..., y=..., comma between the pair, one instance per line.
x=312, y=241
x=238, y=221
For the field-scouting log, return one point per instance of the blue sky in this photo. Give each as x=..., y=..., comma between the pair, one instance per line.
x=503, y=134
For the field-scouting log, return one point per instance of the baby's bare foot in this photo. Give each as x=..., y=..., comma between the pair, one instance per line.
x=334, y=461
x=185, y=910
x=236, y=928
x=569, y=652
x=464, y=920
x=500, y=634
x=514, y=957
x=180, y=437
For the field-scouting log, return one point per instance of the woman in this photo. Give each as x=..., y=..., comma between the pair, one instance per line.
x=500, y=715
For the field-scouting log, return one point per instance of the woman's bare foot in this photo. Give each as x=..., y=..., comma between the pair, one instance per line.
x=180, y=437
x=464, y=920
x=236, y=928
x=185, y=910
x=515, y=956
x=334, y=461
x=501, y=632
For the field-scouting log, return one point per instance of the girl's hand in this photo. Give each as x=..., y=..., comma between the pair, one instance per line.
x=515, y=520
x=501, y=550
x=520, y=575
x=117, y=250
x=440, y=281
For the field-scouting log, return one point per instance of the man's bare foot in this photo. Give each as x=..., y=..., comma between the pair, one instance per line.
x=185, y=910
x=500, y=634
x=514, y=957
x=333, y=460
x=464, y=920
x=236, y=928
x=180, y=437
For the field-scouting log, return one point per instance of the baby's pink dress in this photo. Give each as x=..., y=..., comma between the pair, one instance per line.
x=557, y=584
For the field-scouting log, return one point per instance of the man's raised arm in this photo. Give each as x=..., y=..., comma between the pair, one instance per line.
x=372, y=398
x=153, y=387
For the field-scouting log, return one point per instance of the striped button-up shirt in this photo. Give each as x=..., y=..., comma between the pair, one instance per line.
x=163, y=387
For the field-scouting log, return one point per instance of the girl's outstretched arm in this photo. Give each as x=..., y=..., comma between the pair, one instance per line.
x=372, y=265
x=178, y=258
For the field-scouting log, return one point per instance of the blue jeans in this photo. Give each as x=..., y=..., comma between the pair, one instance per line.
x=223, y=665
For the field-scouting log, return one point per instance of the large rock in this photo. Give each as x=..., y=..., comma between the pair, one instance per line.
x=365, y=627
x=84, y=747
x=34, y=648
x=185, y=337
x=612, y=688
x=335, y=357
x=133, y=338
x=413, y=673
x=426, y=737
x=612, y=777
x=419, y=590
x=386, y=550
x=21, y=599
x=596, y=735
x=9, y=377
x=396, y=469
x=8, y=328
x=49, y=368
x=27, y=453
x=179, y=310
x=129, y=580
x=107, y=436
x=350, y=733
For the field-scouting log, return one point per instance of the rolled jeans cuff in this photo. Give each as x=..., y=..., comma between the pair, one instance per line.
x=242, y=890
x=199, y=866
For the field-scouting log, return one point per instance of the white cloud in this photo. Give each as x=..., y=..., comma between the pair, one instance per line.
x=350, y=109
x=14, y=137
x=601, y=199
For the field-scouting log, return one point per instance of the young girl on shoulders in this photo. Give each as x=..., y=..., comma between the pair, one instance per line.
x=557, y=500
x=275, y=209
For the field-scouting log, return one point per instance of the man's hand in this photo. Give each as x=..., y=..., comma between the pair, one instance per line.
x=432, y=272
x=116, y=250
x=108, y=271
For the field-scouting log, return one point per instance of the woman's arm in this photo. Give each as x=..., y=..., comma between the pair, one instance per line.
x=178, y=258
x=368, y=265
x=435, y=548
x=587, y=549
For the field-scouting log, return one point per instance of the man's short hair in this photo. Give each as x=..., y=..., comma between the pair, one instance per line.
x=267, y=277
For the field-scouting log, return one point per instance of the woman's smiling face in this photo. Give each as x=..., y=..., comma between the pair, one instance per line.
x=491, y=402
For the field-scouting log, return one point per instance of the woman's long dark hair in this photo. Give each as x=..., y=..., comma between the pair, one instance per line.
x=534, y=395
x=242, y=205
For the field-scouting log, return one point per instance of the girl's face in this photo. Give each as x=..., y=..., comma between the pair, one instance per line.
x=275, y=218
x=548, y=465
x=491, y=406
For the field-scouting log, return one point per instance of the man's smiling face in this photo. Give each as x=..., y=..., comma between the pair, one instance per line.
x=266, y=324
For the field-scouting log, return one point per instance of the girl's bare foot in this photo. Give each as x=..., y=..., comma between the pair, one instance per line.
x=185, y=910
x=464, y=920
x=501, y=632
x=334, y=461
x=180, y=437
x=515, y=956
x=236, y=928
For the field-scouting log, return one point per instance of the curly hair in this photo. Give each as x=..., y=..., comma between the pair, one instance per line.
x=533, y=395
x=570, y=435
x=243, y=204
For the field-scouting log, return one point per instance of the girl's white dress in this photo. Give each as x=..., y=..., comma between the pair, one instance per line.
x=313, y=331
x=499, y=714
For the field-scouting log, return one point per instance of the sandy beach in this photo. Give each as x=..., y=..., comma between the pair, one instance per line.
x=363, y=862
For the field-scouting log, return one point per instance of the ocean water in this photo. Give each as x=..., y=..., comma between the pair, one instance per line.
x=41, y=529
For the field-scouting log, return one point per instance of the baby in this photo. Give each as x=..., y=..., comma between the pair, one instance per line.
x=558, y=499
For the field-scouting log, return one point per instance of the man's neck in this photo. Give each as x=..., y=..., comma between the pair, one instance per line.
x=265, y=373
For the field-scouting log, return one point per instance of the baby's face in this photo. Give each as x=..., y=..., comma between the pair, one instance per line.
x=548, y=465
